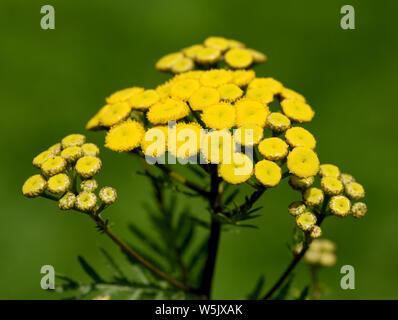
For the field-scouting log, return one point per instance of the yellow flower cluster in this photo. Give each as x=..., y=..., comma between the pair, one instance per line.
x=61, y=165
x=213, y=51
x=321, y=253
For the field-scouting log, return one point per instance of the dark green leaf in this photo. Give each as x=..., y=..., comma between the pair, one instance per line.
x=89, y=270
x=255, y=294
x=304, y=293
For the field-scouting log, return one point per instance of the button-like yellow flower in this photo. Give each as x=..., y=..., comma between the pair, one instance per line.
x=88, y=166
x=86, y=201
x=191, y=51
x=269, y=83
x=163, y=90
x=329, y=170
x=34, y=186
x=125, y=136
x=243, y=77
x=167, y=110
x=219, y=116
x=71, y=154
x=332, y=186
x=239, y=171
x=235, y=44
x=248, y=135
x=340, y=206
x=359, y=210
x=207, y=55
x=56, y=149
x=108, y=195
x=59, y=183
x=219, y=43
x=296, y=208
x=123, y=95
x=144, y=99
x=273, y=148
x=306, y=221
x=217, y=146
x=238, y=58
x=278, y=122
x=313, y=196
x=90, y=149
x=42, y=157
x=114, y=113
x=346, y=178
x=258, y=57
x=216, y=77
x=53, y=166
x=316, y=232
x=187, y=140
x=73, y=140
x=67, y=202
x=89, y=185
x=183, y=89
x=166, y=62
x=230, y=92
x=297, y=110
x=268, y=173
x=183, y=65
x=300, y=183
x=300, y=137
x=204, y=97
x=154, y=143
x=263, y=95
x=291, y=94
x=355, y=190
x=249, y=112
x=303, y=162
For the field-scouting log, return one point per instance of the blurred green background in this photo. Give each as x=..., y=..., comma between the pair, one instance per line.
x=52, y=81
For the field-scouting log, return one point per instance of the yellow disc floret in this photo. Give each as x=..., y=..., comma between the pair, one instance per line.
x=300, y=137
x=306, y=221
x=207, y=55
x=71, y=154
x=238, y=58
x=88, y=166
x=217, y=146
x=239, y=171
x=268, y=173
x=313, y=196
x=273, y=148
x=263, y=95
x=90, y=149
x=144, y=100
x=230, y=92
x=167, y=62
x=243, y=77
x=187, y=140
x=269, y=83
x=219, y=116
x=219, y=43
x=125, y=136
x=216, y=77
x=42, y=157
x=34, y=186
x=278, y=122
x=123, y=95
x=183, y=65
x=86, y=201
x=300, y=183
x=73, y=140
x=354, y=190
x=114, y=113
x=303, y=162
x=154, y=143
x=203, y=98
x=258, y=57
x=332, y=186
x=291, y=94
x=249, y=112
x=59, y=183
x=248, y=135
x=340, y=206
x=297, y=110
x=183, y=89
x=167, y=110
x=329, y=170
x=53, y=166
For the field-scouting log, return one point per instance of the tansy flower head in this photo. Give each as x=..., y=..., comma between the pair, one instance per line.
x=167, y=62
x=183, y=65
x=114, y=113
x=163, y=90
x=204, y=97
x=263, y=95
x=300, y=137
x=42, y=157
x=249, y=112
x=306, y=221
x=124, y=136
x=258, y=57
x=53, y=166
x=34, y=186
x=56, y=149
x=359, y=210
x=321, y=252
x=219, y=43
x=300, y=183
x=217, y=146
x=168, y=110
x=192, y=51
x=269, y=83
x=88, y=166
x=207, y=55
x=328, y=260
x=58, y=184
x=332, y=186
x=89, y=185
x=268, y=173
x=219, y=116
x=329, y=170
x=313, y=196
x=90, y=149
x=154, y=143
x=108, y=195
x=355, y=190
x=67, y=202
x=303, y=162
x=230, y=92
x=278, y=122
x=297, y=110
x=238, y=171
x=86, y=201
x=340, y=206
x=238, y=58
x=291, y=94
x=273, y=148
x=216, y=77
x=188, y=137
x=248, y=135
x=123, y=95
x=73, y=140
x=316, y=232
x=243, y=77
x=71, y=154
x=346, y=178
x=296, y=208
x=144, y=99
x=183, y=89
x=235, y=44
